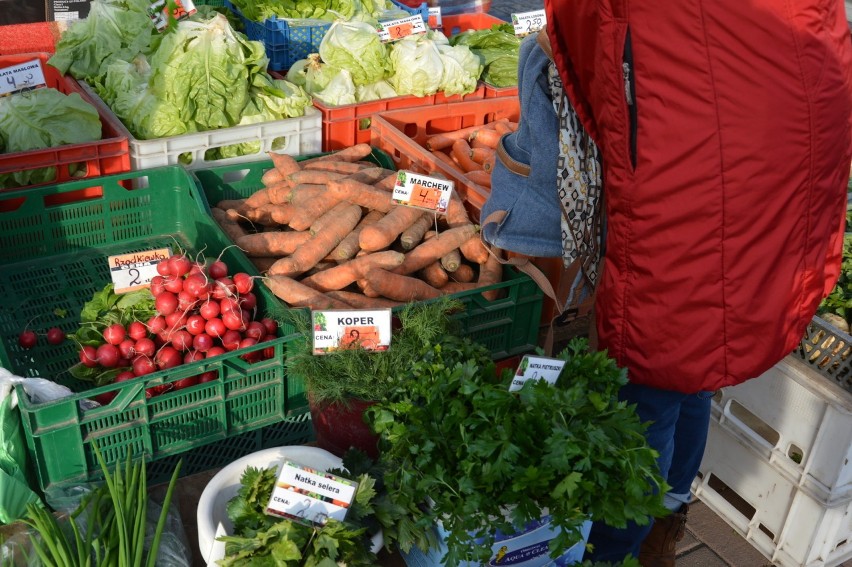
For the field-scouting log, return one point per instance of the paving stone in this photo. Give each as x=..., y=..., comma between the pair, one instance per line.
x=707, y=527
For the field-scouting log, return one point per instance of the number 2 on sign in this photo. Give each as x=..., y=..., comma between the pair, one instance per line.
x=534, y=24
x=401, y=30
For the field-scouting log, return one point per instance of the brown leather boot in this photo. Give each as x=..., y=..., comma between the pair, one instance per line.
x=658, y=549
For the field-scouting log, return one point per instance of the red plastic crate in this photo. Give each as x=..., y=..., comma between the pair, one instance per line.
x=38, y=37
x=106, y=156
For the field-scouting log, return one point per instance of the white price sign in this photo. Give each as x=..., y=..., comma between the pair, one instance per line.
x=24, y=76
x=536, y=368
x=134, y=271
x=528, y=22
x=340, y=328
x=310, y=495
x=397, y=29
x=422, y=191
x=435, y=21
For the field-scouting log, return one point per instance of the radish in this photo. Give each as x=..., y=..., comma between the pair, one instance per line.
x=202, y=342
x=124, y=376
x=55, y=336
x=107, y=355
x=233, y=321
x=127, y=348
x=156, y=325
x=145, y=346
x=89, y=356
x=143, y=365
x=215, y=351
x=154, y=391
x=186, y=301
x=181, y=340
x=157, y=285
x=197, y=268
x=255, y=330
x=248, y=301
x=209, y=310
x=175, y=321
x=217, y=270
x=137, y=330
x=192, y=356
x=166, y=303
x=215, y=328
x=185, y=383
x=168, y=357
x=27, y=339
x=105, y=398
x=271, y=325
x=195, y=324
x=173, y=284
x=231, y=340
x=243, y=282
x=114, y=334
x=229, y=304
x=164, y=268
x=196, y=285
x=208, y=376
x=223, y=287
x=180, y=265
x=252, y=356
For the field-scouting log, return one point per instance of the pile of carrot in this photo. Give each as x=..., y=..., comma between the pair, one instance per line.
x=471, y=149
x=327, y=235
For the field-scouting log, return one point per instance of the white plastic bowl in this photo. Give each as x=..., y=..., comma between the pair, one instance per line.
x=211, y=516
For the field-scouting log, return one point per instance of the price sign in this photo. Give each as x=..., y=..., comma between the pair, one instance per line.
x=309, y=495
x=24, y=76
x=528, y=22
x=431, y=193
x=159, y=12
x=397, y=29
x=435, y=21
x=536, y=368
x=134, y=271
x=339, y=329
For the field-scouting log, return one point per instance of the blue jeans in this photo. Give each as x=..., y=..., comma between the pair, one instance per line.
x=679, y=433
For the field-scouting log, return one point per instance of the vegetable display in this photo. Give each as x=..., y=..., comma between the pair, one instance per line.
x=328, y=10
x=497, y=48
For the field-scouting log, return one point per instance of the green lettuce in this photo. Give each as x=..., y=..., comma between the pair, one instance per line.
x=417, y=66
x=340, y=90
x=461, y=70
x=356, y=47
x=497, y=48
x=43, y=118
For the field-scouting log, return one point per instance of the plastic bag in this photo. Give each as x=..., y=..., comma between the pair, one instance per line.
x=15, y=491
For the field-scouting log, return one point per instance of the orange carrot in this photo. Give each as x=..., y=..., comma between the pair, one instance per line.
x=457, y=287
x=279, y=193
x=399, y=287
x=479, y=177
x=352, y=153
x=311, y=209
x=263, y=263
x=488, y=164
x=383, y=232
x=258, y=198
x=281, y=214
x=388, y=182
x=361, y=194
x=371, y=175
x=490, y=273
x=434, y=248
x=413, y=235
x=464, y=274
x=348, y=247
x=435, y=275
x=487, y=137
x=261, y=215
x=270, y=176
x=346, y=167
x=361, y=301
x=319, y=245
x=445, y=139
x=276, y=243
x=324, y=219
x=314, y=176
x=482, y=154
x=229, y=227
x=304, y=192
x=451, y=261
x=443, y=157
x=341, y=275
x=296, y=294
x=461, y=154
x=284, y=163
x=472, y=249
x=501, y=126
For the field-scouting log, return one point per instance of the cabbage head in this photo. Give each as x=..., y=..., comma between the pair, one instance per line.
x=461, y=70
x=417, y=66
x=374, y=91
x=355, y=47
x=339, y=91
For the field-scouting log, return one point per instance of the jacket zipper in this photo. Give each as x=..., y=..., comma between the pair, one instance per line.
x=628, y=74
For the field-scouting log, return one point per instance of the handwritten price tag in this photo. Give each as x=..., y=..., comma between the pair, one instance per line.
x=159, y=12
x=536, y=368
x=339, y=329
x=24, y=76
x=528, y=22
x=431, y=193
x=134, y=271
x=397, y=29
x=309, y=495
x=435, y=21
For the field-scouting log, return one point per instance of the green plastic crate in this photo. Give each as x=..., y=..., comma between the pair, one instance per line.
x=508, y=325
x=54, y=241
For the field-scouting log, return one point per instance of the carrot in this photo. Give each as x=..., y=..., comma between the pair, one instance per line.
x=270, y=176
x=478, y=144
x=276, y=243
x=443, y=157
x=296, y=294
x=258, y=198
x=456, y=287
x=472, y=249
x=434, y=248
x=281, y=213
x=284, y=164
x=383, y=232
x=361, y=194
x=335, y=166
x=481, y=154
x=348, y=247
x=371, y=175
x=361, y=301
x=461, y=154
x=463, y=274
x=451, y=261
x=261, y=215
x=488, y=164
x=479, y=177
x=229, y=227
x=489, y=137
x=388, y=182
x=352, y=153
x=226, y=204
x=445, y=139
x=314, y=176
x=263, y=263
x=322, y=220
x=490, y=273
x=279, y=193
x=435, y=275
x=399, y=287
x=340, y=276
x=308, y=211
x=319, y=245
x=501, y=126
x=413, y=235
x=304, y=192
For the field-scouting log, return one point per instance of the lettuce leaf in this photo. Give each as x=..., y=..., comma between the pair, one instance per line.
x=355, y=47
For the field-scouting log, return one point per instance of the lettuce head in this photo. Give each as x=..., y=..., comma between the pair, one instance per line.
x=355, y=47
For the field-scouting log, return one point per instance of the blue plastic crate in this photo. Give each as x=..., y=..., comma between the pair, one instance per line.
x=287, y=41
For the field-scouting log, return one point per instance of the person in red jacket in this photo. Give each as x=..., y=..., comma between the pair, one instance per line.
x=725, y=130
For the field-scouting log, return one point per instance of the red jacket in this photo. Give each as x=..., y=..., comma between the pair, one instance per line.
x=726, y=234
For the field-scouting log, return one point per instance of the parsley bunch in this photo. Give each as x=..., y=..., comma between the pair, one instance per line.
x=487, y=459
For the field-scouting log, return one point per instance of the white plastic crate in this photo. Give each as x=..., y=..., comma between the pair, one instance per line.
x=785, y=523
x=294, y=136
x=799, y=421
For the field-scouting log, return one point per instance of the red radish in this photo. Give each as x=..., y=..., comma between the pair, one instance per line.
x=243, y=282
x=184, y=383
x=89, y=356
x=229, y=304
x=164, y=268
x=197, y=268
x=180, y=265
x=143, y=365
x=124, y=376
x=145, y=347
x=217, y=270
x=215, y=328
x=186, y=301
x=248, y=301
x=223, y=287
x=168, y=357
x=233, y=321
x=268, y=352
x=181, y=340
x=122, y=362
x=196, y=285
x=192, y=356
x=215, y=351
x=255, y=330
x=107, y=355
x=271, y=325
x=253, y=356
x=209, y=310
x=159, y=340
x=166, y=303
x=231, y=340
x=114, y=334
x=175, y=321
x=155, y=391
x=137, y=330
x=105, y=398
x=173, y=284
x=55, y=336
x=157, y=325
x=202, y=342
x=157, y=285
x=195, y=324
x=127, y=348
x=208, y=376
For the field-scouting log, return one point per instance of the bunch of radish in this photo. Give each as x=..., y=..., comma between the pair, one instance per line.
x=202, y=312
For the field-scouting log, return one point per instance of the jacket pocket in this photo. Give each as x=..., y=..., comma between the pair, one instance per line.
x=628, y=70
